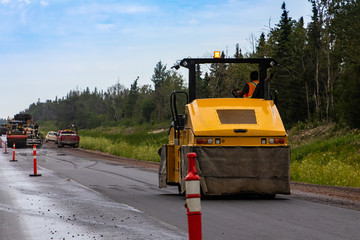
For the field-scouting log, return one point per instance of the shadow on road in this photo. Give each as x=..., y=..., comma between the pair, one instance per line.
x=232, y=197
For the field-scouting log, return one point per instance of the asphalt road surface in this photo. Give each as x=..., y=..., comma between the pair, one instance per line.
x=86, y=196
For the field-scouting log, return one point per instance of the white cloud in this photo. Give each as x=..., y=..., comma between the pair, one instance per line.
x=193, y=21
x=112, y=8
x=5, y=1
x=44, y=3
x=104, y=26
x=23, y=17
x=27, y=2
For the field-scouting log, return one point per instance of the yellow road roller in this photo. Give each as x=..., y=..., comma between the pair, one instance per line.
x=241, y=143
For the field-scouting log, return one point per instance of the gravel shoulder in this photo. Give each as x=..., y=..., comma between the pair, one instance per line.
x=345, y=197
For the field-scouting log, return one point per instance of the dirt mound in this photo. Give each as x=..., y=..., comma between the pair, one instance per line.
x=303, y=134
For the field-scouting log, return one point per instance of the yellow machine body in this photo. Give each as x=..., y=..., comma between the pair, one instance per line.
x=241, y=146
x=237, y=121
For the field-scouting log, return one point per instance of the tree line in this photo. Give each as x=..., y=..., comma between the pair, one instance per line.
x=117, y=105
x=317, y=76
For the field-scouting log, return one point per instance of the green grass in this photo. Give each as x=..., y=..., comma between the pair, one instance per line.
x=335, y=161
x=138, y=144
x=45, y=127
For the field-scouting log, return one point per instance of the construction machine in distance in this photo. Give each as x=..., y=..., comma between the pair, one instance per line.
x=15, y=132
x=22, y=131
x=33, y=135
x=241, y=143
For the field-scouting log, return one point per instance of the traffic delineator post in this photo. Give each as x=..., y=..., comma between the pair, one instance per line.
x=35, y=164
x=193, y=200
x=13, y=158
x=5, y=152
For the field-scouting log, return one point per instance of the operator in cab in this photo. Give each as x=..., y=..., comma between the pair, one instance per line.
x=249, y=87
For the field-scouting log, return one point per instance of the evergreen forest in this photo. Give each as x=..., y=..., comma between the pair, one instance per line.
x=317, y=77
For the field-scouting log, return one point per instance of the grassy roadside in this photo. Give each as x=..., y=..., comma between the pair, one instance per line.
x=136, y=142
x=132, y=143
x=326, y=156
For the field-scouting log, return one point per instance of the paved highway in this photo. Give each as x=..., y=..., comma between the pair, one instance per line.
x=103, y=199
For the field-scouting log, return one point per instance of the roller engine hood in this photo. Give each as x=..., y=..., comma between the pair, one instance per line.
x=234, y=117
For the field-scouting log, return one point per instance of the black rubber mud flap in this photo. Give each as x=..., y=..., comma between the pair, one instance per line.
x=162, y=167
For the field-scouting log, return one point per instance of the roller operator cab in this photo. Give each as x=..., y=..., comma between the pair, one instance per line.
x=241, y=143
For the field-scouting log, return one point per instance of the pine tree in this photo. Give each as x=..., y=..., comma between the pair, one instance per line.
x=261, y=50
x=131, y=99
x=346, y=32
x=158, y=78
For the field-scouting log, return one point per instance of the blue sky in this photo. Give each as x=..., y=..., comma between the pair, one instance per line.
x=48, y=48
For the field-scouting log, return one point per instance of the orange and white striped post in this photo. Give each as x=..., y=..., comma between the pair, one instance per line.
x=13, y=158
x=193, y=199
x=6, y=152
x=35, y=164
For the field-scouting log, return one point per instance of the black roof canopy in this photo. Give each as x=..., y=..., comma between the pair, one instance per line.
x=264, y=64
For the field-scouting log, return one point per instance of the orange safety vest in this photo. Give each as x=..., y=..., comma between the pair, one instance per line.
x=252, y=86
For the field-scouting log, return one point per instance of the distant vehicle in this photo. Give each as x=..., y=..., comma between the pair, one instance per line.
x=23, y=131
x=51, y=136
x=16, y=132
x=57, y=136
x=67, y=137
